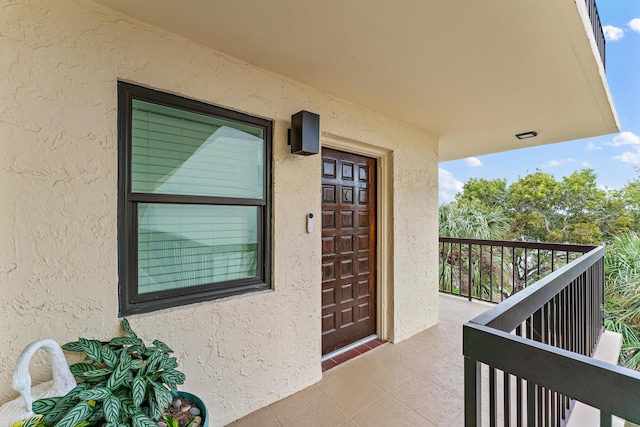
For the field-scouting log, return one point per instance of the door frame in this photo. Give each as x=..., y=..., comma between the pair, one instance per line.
x=384, y=232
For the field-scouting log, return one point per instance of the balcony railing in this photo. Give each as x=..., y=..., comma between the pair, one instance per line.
x=596, y=25
x=493, y=270
x=527, y=360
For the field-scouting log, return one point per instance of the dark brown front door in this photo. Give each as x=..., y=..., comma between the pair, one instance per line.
x=348, y=248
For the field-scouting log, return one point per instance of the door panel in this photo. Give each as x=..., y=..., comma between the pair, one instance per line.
x=348, y=248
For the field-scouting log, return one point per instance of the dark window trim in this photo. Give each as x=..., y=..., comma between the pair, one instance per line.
x=129, y=300
x=194, y=200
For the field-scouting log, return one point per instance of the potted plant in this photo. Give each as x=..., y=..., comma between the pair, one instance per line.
x=122, y=383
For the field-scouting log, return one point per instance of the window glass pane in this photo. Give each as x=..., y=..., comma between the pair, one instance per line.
x=179, y=152
x=181, y=246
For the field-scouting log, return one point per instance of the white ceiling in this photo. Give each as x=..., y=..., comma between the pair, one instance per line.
x=474, y=72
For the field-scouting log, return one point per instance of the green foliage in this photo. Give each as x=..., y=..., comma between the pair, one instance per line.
x=622, y=290
x=123, y=382
x=544, y=209
x=615, y=216
x=468, y=220
x=491, y=193
x=539, y=207
x=579, y=207
x=579, y=194
x=34, y=421
x=536, y=192
x=174, y=422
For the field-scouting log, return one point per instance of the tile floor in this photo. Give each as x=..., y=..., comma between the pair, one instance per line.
x=417, y=382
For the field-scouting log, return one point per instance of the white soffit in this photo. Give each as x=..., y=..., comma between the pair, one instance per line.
x=473, y=72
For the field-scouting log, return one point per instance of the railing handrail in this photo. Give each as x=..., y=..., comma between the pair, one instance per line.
x=611, y=388
x=492, y=270
x=598, y=31
x=571, y=247
x=541, y=339
x=510, y=313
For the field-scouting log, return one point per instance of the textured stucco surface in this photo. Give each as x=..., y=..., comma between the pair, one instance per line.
x=60, y=61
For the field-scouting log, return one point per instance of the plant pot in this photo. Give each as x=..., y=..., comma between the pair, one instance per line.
x=195, y=399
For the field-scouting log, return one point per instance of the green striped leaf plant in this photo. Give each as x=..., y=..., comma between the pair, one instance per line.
x=122, y=382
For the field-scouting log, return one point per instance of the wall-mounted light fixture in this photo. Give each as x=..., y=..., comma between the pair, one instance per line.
x=526, y=135
x=304, y=135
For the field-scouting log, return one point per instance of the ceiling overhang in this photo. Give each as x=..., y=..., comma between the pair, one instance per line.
x=476, y=73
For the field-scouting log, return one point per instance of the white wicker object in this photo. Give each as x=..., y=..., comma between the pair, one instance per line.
x=62, y=382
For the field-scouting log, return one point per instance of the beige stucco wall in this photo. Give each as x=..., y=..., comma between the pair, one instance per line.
x=60, y=61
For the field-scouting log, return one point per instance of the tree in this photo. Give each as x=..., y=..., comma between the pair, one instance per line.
x=491, y=193
x=630, y=195
x=544, y=209
x=579, y=205
x=531, y=206
x=615, y=217
x=469, y=220
x=573, y=209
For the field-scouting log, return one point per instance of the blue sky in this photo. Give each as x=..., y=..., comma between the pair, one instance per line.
x=613, y=157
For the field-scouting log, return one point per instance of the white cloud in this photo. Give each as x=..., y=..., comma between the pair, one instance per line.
x=592, y=146
x=449, y=186
x=634, y=24
x=629, y=157
x=624, y=138
x=474, y=162
x=612, y=33
x=586, y=164
x=556, y=163
x=627, y=138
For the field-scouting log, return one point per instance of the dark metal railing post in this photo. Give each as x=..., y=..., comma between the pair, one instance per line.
x=480, y=290
x=526, y=266
x=493, y=403
x=444, y=265
x=470, y=281
x=472, y=393
x=491, y=273
x=506, y=383
x=531, y=404
x=451, y=266
x=501, y=273
x=535, y=401
x=513, y=269
x=460, y=271
x=519, y=396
